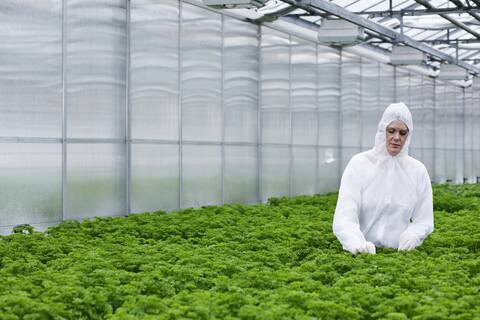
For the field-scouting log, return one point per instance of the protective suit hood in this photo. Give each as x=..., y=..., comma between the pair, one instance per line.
x=395, y=111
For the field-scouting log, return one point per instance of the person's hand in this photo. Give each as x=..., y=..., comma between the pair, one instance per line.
x=408, y=241
x=366, y=247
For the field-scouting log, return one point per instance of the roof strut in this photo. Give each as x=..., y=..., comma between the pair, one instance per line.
x=396, y=37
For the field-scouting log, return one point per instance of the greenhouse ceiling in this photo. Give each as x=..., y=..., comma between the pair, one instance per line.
x=445, y=31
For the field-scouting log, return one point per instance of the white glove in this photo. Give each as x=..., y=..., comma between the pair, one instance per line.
x=366, y=247
x=408, y=241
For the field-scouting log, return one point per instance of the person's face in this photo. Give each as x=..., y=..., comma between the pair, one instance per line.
x=397, y=133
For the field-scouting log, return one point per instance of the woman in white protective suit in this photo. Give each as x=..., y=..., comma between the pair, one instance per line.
x=385, y=196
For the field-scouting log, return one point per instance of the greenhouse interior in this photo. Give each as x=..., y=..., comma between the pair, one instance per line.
x=117, y=109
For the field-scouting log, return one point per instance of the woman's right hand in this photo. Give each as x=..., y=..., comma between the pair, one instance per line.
x=366, y=247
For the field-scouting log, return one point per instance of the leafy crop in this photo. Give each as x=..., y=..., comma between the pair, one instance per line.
x=274, y=261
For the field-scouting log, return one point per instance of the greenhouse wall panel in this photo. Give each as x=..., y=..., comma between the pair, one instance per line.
x=351, y=125
x=328, y=174
x=275, y=169
x=95, y=70
x=304, y=170
x=201, y=74
x=241, y=80
x=371, y=111
x=154, y=70
x=476, y=128
x=328, y=96
x=450, y=137
x=31, y=69
x=459, y=119
x=201, y=175
x=154, y=177
x=241, y=174
x=468, y=136
x=30, y=183
x=428, y=124
x=440, y=132
x=95, y=180
x=417, y=108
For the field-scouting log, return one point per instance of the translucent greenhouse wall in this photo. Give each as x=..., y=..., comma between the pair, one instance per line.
x=119, y=106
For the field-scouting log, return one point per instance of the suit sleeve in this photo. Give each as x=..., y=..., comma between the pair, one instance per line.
x=346, y=225
x=422, y=217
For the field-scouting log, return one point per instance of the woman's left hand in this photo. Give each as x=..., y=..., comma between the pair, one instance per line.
x=408, y=241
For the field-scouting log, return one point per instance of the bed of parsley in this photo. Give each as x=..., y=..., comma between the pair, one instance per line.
x=273, y=261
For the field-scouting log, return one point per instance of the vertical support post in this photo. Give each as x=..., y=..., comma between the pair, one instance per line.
x=64, y=110
x=259, y=117
x=222, y=111
x=180, y=115
x=317, y=113
x=434, y=135
x=463, y=135
x=360, y=107
x=128, y=167
x=290, y=112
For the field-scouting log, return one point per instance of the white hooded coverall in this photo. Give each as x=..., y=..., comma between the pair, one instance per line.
x=384, y=200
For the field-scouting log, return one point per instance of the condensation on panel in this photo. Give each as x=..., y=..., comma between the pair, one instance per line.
x=428, y=91
x=95, y=180
x=402, y=87
x=241, y=77
x=303, y=79
x=328, y=95
x=275, y=124
x=202, y=178
x=370, y=112
x=304, y=170
x=31, y=68
x=30, y=183
x=96, y=68
x=328, y=170
x=154, y=73
x=275, y=172
x=387, y=86
x=275, y=69
x=305, y=127
x=154, y=177
x=201, y=74
x=350, y=100
x=440, y=131
x=240, y=177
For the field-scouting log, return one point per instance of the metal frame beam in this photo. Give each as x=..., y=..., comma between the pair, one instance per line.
x=314, y=5
x=419, y=12
x=459, y=24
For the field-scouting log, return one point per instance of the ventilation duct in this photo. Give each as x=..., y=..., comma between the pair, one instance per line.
x=452, y=72
x=340, y=33
x=403, y=55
